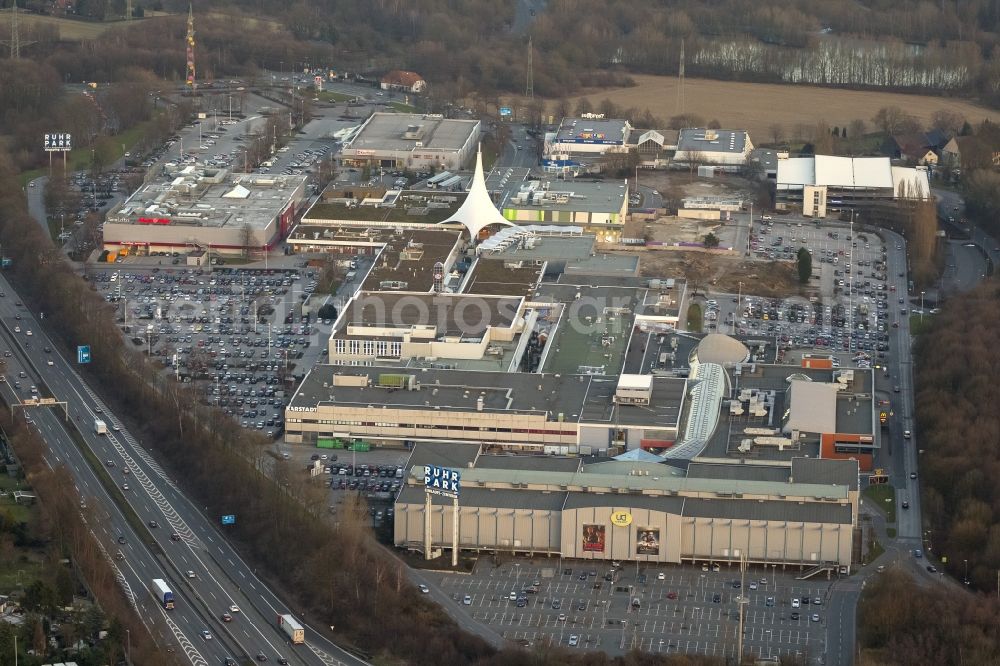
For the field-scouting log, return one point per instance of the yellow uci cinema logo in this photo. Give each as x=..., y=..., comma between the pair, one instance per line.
x=621, y=519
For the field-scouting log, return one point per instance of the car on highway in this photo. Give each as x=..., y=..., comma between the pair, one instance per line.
x=913, y=475
x=121, y=539
x=124, y=486
x=932, y=568
x=153, y=524
x=226, y=617
x=206, y=634
x=234, y=609
x=918, y=553
x=261, y=656
x=174, y=536
x=905, y=504
x=424, y=589
x=110, y=463
x=190, y=574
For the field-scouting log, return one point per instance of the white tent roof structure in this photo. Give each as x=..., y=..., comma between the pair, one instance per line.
x=478, y=210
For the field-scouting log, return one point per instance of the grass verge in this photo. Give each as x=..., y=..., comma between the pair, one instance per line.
x=875, y=549
x=694, y=319
x=883, y=496
x=402, y=108
x=920, y=324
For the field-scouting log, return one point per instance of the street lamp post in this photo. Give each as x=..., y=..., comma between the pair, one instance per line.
x=921, y=306
x=966, y=581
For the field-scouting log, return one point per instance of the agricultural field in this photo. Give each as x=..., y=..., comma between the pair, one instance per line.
x=69, y=30
x=758, y=106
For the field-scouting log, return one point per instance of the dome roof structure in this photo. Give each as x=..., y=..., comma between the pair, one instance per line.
x=478, y=210
x=722, y=349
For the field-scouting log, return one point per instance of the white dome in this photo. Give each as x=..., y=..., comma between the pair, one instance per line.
x=721, y=349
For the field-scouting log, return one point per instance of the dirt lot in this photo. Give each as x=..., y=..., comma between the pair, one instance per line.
x=720, y=272
x=757, y=106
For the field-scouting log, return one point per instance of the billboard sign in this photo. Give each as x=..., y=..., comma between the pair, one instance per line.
x=153, y=220
x=229, y=519
x=593, y=538
x=57, y=141
x=442, y=481
x=83, y=354
x=647, y=541
x=505, y=111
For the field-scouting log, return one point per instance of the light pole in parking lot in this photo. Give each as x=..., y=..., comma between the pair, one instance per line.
x=966, y=580
x=921, y=307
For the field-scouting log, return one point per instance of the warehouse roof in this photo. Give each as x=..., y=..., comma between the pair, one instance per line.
x=447, y=314
x=731, y=471
x=586, y=500
x=536, y=463
x=697, y=139
x=592, y=130
x=412, y=131
x=815, y=470
x=849, y=173
x=488, y=498
x=666, y=484
x=738, y=509
x=198, y=196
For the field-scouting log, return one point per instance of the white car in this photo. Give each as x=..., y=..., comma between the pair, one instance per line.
x=234, y=609
x=795, y=603
x=574, y=640
x=206, y=635
x=467, y=600
x=190, y=574
x=424, y=589
x=661, y=576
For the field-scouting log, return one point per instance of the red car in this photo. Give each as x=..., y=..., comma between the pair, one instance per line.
x=671, y=595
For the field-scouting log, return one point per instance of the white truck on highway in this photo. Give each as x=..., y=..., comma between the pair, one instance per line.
x=163, y=593
x=291, y=627
x=100, y=427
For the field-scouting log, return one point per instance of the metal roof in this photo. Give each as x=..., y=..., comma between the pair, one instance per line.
x=740, y=509
x=651, y=485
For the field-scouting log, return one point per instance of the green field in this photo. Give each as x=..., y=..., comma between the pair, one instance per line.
x=79, y=159
x=402, y=108
x=694, y=320
x=883, y=496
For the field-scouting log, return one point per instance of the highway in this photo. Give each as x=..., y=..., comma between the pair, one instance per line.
x=220, y=578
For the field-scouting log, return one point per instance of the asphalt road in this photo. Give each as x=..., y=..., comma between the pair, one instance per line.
x=221, y=577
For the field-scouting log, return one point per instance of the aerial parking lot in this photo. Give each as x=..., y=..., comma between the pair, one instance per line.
x=851, y=309
x=670, y=609
x=241, y=334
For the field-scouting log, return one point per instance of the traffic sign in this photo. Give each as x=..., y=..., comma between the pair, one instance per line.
x=229, y=519
x=83, y=354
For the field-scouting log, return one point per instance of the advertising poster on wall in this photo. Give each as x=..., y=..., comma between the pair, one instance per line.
x=593, y=538
x=647, y=541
